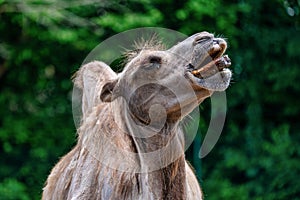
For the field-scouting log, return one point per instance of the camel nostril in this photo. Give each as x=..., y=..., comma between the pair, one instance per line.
x=216, y=41
x=202, y=38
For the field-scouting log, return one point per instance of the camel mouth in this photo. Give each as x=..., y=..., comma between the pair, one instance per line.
x=218, y=64
x=213, y=73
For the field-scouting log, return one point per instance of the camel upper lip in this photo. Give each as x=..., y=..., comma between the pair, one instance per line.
x=215, y=54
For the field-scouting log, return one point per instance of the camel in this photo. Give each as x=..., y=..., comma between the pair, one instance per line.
x=130, y=144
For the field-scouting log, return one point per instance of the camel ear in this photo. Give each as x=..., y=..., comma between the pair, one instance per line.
x=109, y=91
x=89, y=80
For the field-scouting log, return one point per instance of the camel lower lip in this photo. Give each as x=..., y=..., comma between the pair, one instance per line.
x=217, y=82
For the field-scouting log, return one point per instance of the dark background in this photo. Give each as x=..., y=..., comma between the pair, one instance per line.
x=42, y=43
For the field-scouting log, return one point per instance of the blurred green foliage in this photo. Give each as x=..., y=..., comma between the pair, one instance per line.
x=42, y=43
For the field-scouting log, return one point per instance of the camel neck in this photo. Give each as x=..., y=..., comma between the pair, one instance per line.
x=160, y=156
x=158, y=160
x=155, y=148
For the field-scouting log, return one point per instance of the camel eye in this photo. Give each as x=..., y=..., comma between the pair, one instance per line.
x=155, y=60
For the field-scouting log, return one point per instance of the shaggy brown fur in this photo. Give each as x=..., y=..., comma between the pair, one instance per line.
x=120, y=129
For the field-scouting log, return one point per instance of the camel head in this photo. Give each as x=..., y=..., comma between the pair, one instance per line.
x=171, y=83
